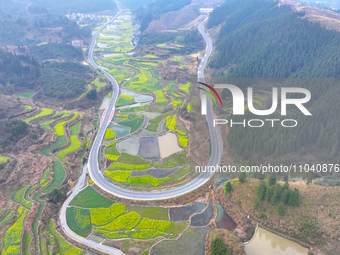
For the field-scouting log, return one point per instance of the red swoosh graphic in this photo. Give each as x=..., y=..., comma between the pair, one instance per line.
x=213, y=90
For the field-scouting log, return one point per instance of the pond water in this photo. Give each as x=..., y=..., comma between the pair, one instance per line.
x=168, y=145
x=268, y=243
x=223, y=220
x=119, y=130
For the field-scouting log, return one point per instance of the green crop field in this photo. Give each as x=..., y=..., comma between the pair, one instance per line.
x=190, y=105
x=64, y=247
x=27, y=243
x=6, y=218
x=133, y=124
x=177, y=59
x=98, y=84
x=124, y=100
x=46, y=124
x=160, y=97
x=75, y=129
x=150, y=180
x=121, y=166
x=152, y=127
x=74, y=146
x=59, y=176
x=125, y=222
x=12, y=236
x=158, y=213
x=133, y=109
x=161, y=225
x=150, y=56
x=119, y=73
x=27, y=94
x=61, y=141
x=44, y=112
x=185, y=88
x=109, y=134
x=103, y=216
x=59, y=128
x=127, y=158
x=79, y=220
x=19, y=197
x=4, y=159
x=143, y=82
x=118, y=176
x=89, y=198
x=136, y=234
x=111, y=152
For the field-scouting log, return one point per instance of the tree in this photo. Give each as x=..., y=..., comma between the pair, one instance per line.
x=285, y=186
x=228, y=187
x=272, y=180
x=92, y=94
x=281, y=209
x=261, y=190
x=218, y=247
x=285, y=195
x=242, y=177
x=294, y=198
x=56, y=196
x=269, y=194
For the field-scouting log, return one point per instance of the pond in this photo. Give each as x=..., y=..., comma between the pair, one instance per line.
x=265, y=242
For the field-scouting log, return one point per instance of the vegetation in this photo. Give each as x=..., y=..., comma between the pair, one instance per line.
x=89, y=198
x=260, y=55
x=158, y=213
x=92, y=94
x=74, y=146
x=79, y=220
x=218, y=247
x=109, y=134
x=6, y=218
x=59, y=128
x=111, y=152
x=44, y=112
x=186, y=87
x=125, y=222
x=4, y=159
x=150, y=180
x=12, y=236
x=64, y=246
x=103, y=216
x=58, y=177
x=56, y=196
x=154, y=224
x=19, y=197
x=119, y=176
x=121, y=166
x=124, y=100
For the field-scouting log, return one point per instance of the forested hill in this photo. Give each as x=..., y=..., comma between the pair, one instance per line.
x=258, y=39
x=264, y=40
x=145, y=14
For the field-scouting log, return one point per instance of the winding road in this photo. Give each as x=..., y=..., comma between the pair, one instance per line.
x=93, y=166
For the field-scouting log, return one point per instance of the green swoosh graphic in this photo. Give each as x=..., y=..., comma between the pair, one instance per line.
x=207, y=91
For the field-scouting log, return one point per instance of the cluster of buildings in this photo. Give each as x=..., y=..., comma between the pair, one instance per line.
x=81, y=18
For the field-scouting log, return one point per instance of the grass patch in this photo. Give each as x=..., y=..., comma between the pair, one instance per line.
x=74, y=146
x=79, y=220
x=118, y=176
x=44, y=112
x=158, y=213
x=89, y=87
x=27, y=94
x=27, y=107
x=177, y=59
x=109, y=134
x=61, y=141
x=19, y=197
x=12, y=236
x=89, y=198
x=152, y=127
x=27, y=244
x=98, y=84
x=64, y=247
x=4, y=159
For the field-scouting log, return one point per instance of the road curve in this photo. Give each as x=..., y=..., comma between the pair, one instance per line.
x=93, y=166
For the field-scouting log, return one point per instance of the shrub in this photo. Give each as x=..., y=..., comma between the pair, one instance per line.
x=281, y=208
x=218, y=247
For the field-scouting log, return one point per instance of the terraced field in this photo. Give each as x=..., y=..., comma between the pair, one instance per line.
x=44, y=112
